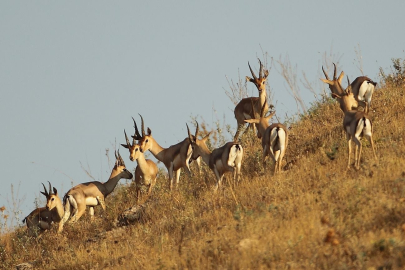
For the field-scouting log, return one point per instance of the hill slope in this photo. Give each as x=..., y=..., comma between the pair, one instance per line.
x=314, y=215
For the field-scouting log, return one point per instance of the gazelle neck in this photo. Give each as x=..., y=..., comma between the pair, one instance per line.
x=262, y=100
x=112, y=182
x=205, y=153
x=141, y=161
x=346, y=104
x=58, y=212
x=156, y=149
x=263, y=126
x=262, y=96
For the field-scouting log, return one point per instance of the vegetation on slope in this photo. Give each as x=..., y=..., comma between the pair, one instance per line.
x=313, y=215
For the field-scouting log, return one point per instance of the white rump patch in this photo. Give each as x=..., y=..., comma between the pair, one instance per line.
x=366, y=91
x=235, y=155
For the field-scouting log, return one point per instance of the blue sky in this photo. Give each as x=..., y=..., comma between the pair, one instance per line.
x=72, y=74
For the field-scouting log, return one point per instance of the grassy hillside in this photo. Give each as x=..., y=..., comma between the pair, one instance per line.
x=314, y=215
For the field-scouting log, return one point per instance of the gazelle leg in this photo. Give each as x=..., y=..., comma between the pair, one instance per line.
x=178, y=176
x=91, y=212
x=276, y=161
x=219, y=179
x=238, y=166
x=60, y=226
x=280, y=159
x=370, y=140
x=349, y=142
x=171, y=176
x=265, y=154
x=101, y=202
x=357, y=153
x=138, y=193
x=80, y=211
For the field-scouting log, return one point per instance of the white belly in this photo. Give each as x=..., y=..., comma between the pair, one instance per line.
x=91, y=201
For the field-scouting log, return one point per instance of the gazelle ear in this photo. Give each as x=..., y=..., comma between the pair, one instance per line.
x=46, y=195
x=265, y=73
x=149, y=132
x=268, y=117
x=55, y=191
x=348, y=90
x=327, y=81
x=125, y=146
x=252, y=121
x=336, y=95
x=248, y=79
x=341, y=77
x=206, y=136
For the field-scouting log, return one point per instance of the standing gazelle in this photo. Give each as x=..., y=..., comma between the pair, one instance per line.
x=174, y=158
x=274, y=138
x=246, y=108
x=146, y=171
x=362, y=87
x=93, y=193
x=227, y=158
x=42, y=218
x=356, y=124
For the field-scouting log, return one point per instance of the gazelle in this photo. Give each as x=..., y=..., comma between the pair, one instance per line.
x=227, y=158
x=174, y=158
x=93, y=193
x=362, y=87
x=246, y=108
x=356, y=124
x=42, y=218
x=334, y=83
x=146, y=171
x=274, y=138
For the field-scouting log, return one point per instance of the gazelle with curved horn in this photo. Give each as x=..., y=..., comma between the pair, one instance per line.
x=174, y=157
x=274, y=138
x=246, y=108
x=362, y=87
x=356, y=124
x=146, y=171
x=334, y=83
x=93, y=193
x=42, y=218
x=227, y=158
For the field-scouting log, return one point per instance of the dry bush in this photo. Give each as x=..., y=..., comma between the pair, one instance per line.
x=315, y=214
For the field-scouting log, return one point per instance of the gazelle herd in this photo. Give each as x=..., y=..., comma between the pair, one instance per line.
x=225, y=159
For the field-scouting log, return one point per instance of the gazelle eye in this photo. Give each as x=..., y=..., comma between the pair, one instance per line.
x=136, y=149
x=147, y=140
x=52, y=199
x=124, y=170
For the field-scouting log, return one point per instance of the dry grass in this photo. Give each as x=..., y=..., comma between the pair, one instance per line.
x=314, y=215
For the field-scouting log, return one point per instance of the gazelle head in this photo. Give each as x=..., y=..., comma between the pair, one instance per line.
x=334, y=83
x=144, y=140
x=346, y=99
x=197, y=145
x=261, y=81
x=263, y=121
x=52, y=198
x=119, y=168
x=134, y=149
